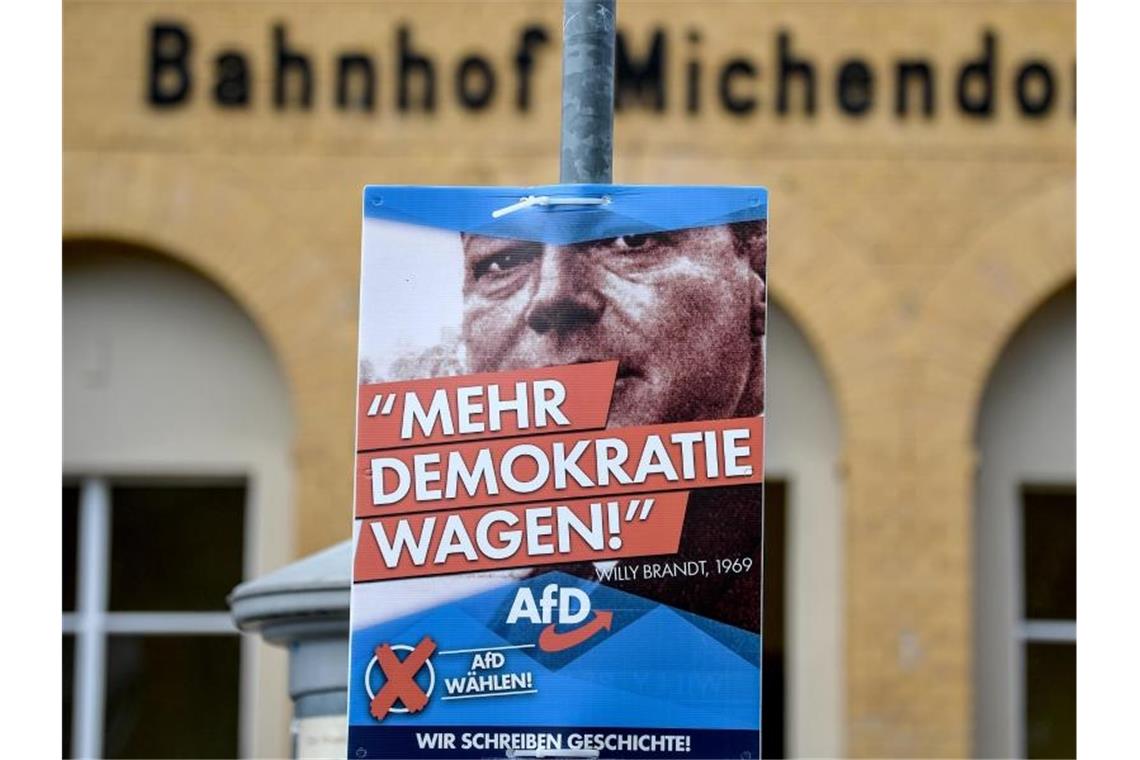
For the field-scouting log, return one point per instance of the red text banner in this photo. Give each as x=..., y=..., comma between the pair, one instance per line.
x=519, y=536
x=488, y=405
x=676, y=456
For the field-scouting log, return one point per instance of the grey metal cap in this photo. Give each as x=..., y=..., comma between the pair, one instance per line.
x=306, y=599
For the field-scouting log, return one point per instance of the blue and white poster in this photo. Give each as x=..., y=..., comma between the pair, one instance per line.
x=559, y=473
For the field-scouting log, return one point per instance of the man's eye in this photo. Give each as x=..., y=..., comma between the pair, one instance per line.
x=504, y=261
x=634, y=242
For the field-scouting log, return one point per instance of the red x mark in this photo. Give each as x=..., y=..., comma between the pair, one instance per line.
x=401, y=677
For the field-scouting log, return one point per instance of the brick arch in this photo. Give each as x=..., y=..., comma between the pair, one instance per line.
x=159, y=243
x=105, y=241
x=841, y=304
x=1060, y=287
x=77, y=245
x=1008, y=270
x=251, y=240
x=288, y=262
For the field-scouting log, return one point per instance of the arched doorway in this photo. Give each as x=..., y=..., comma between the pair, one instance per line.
x=1025, y=542
x=176, y=486
x=803, y=571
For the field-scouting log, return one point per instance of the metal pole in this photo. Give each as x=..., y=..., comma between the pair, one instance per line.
x=589, y=29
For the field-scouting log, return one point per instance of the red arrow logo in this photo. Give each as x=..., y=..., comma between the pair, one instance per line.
x=552, y=641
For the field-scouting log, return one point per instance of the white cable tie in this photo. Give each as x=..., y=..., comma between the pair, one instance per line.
x=526, y=202
x=546, y=200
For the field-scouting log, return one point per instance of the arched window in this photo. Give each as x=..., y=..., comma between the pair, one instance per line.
x=175, y=487
x=1025, y=543
x=802, y=706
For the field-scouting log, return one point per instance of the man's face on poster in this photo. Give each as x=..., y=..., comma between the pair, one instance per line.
x=682, y=312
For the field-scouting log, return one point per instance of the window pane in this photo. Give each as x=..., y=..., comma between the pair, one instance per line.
x=1049, y=534
x=70, y=544
x=1051, y=700
x=172, y=696
x=175, y=547
x=773, y=689
x=68, y=690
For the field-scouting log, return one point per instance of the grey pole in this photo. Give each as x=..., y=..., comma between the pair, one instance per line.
x=589, y=29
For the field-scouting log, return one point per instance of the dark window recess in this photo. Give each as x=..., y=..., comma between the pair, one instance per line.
x=172, y=696
x=70, y=545
x=774, y=688
x=1049, y=538
x=1050, y=700
x=175, y=548
x=68, y=692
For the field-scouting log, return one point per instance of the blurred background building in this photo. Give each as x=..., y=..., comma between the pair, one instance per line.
x=921, y=456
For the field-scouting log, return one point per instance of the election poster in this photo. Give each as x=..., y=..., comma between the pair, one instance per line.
x=559, y=473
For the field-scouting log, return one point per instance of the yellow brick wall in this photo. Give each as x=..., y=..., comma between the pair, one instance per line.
x=907, y=249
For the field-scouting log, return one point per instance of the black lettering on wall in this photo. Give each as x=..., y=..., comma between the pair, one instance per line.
x=733, y=102
x=365, y=70
x=790, y=67
x=411, y=63
x=291, y=66
x=231, y=88
x=169, y=81
x=693, y=75
x=854, y=87
x=976, y=80
x=1035, y=88
x=907, y=71
x=644, y=82
x=477, y=69
x=531, y=38
x=641, y=76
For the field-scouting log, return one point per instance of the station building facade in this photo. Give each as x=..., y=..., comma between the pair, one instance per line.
x=921, y=453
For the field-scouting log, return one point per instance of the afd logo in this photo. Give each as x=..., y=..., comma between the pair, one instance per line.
x=558, y=607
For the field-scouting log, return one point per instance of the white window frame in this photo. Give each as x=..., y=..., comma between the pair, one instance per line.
x=92, y=622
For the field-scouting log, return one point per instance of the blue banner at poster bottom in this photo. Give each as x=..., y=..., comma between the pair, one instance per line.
x=499, y=742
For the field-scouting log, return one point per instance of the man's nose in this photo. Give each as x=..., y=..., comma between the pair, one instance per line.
x=566, y=298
